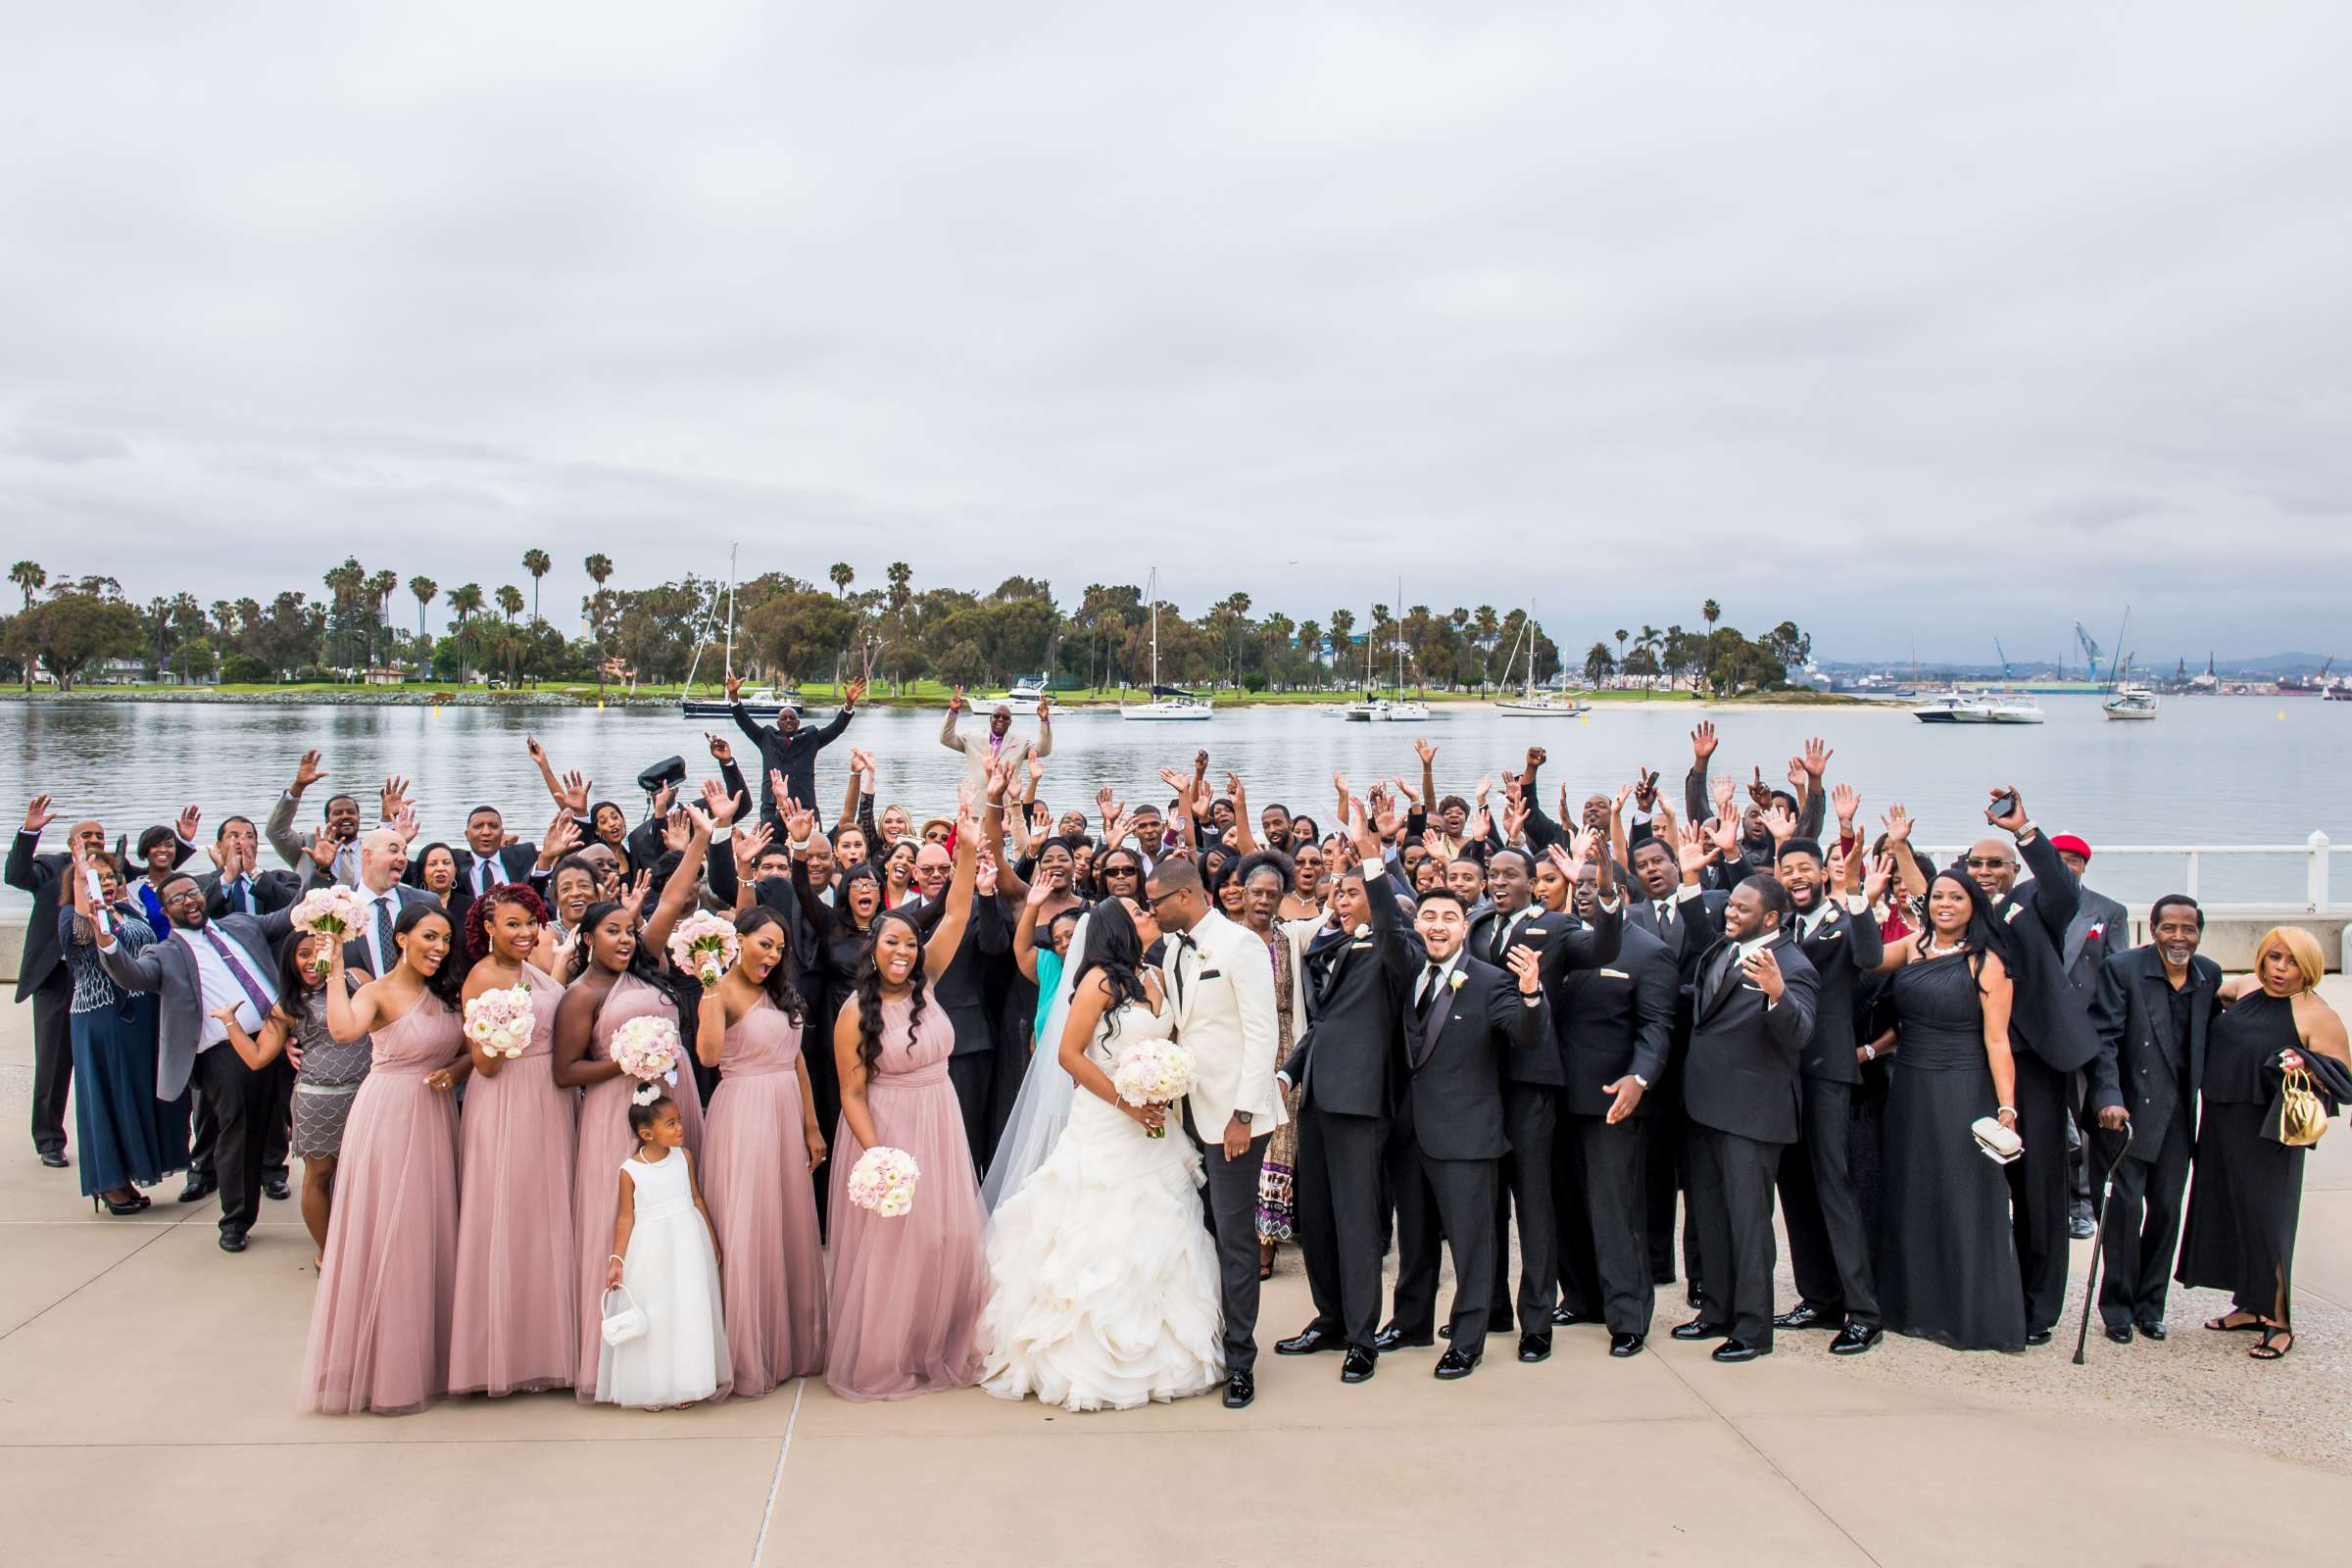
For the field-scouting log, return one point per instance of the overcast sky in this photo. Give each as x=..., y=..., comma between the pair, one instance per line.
x=1936, y=321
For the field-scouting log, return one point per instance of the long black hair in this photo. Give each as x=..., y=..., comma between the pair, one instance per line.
x=1983, y=933
x=869, y=989
x=296, y=980
x=778, y=984
x=447, y=983
x=1115, y=947
x=845, y=924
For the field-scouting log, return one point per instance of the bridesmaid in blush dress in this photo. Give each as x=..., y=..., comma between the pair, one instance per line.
x=618, y=973
x=516, y=1323
x=906, y=1293
x=760, y=1145
x=379, y=1324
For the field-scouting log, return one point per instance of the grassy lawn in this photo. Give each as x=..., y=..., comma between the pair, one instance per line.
x=915, y=694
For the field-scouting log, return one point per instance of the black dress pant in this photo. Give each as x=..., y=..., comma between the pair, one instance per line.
x=974, y=1076
x=52, y=1058
x=1451, y=1199
x=1231, y=1214
x=2039, y=1185
x=1731, y=1207
x=1829, y=1245
x=2143, y=1223
x=1667, y=1173
x=1341, y=1224
x=1599, y=1181
x=1530, y=1121
x=240, y=1101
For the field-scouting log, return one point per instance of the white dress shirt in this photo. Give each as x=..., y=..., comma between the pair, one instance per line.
x=217, y=988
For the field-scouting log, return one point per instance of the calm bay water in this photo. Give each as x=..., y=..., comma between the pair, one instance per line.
x=2210, y=771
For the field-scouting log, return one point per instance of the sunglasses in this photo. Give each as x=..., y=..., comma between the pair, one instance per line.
x=1985, y=862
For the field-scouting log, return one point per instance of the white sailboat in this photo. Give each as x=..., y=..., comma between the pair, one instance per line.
x=760, y=701
x=1531, y=703
x=1168, y=704
x=1398, y=709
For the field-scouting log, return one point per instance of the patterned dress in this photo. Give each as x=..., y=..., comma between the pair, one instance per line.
x=1275, y=1214
x=328, y=1079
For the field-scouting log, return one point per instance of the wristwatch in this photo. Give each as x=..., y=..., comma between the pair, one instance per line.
x=1242, y=1117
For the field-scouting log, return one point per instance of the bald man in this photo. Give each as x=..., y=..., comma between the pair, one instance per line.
x=979, y=751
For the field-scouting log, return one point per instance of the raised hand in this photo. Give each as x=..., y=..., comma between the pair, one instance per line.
x=955, y=701
x=984, y=875
x=1724, y=789
x=1514, y=822
x=391, y=798
x=322, y=850
x=404, y=822
x=1485, y=787
x=1691, y=851
x=562, y=837
x=1425, y=750
x=777, y=789
x=677, y=831
x=1037, y=769
x=307, y=773
x=1411, y=795
x=800, y=822
x=1387, y=819
x=219, y=849
x=1433, y=843
x=747, y=844
x=734, y=687
x=1846, y=801
x=572, y=793
x=1817, y=756
x=1881, y=873
x=1581, y=845
x=1624, y=792
x=2012, y=821
x=1045, y=709
x=1896, y=824
x=632, y=897
x=1645, y=791
x=1527, y=968
x=1798, y=778
x=719, y=803
x=666, y=796
x=861, y=762
x=1039, y=892
x=1201, y=762
x=720, y=752
x=1762, y=967
x=1179, y=785
x=1536, y=757
x=1780, y=824
x=530, y=744
x=1758, y=791
x=1703, y=741
x=1725, y=831
x=1105, y=801
x=1361, y=830
x=850, y=693
x=38, y=815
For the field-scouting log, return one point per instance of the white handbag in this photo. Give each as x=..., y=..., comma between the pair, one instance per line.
x=1996, y=1142
x=626, y=1323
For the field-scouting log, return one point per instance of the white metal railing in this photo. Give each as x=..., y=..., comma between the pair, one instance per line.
x=2133, y=882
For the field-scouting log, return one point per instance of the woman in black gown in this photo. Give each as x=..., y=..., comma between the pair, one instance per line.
x=1947, y=1260
x=2248, y=1189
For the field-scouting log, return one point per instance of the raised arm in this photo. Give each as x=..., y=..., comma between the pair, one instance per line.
x=947, y=727
x=1694, y=782
x=677, y=894
x=945, y=936
x=1244, y=840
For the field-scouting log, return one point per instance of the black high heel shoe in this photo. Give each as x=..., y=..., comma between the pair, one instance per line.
x=139, y=1200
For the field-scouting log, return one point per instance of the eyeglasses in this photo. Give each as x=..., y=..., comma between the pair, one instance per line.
x=1985, y=862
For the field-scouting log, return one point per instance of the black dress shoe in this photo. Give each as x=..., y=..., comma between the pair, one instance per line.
x=1392, y=1337
x=196, y=1191
x=1534, y=1347
x=1855, y=1338
x=1446, y=1331
x=2078, y=1223
x=1700, y=1329
x=2038, y=1336
x=1561, y=1318
x=1359, y=1365
x=1239, y=1389
x=233, y=1241
x=1454, y=1366
x=2120, y=1333
x=1805, y=1316
x=54, y=1158
x=1310, y=1341
x=1737, y=1350
x=2153, y=1330
x=1694, y=1296
x=1622, y=1346
x=275, y=1187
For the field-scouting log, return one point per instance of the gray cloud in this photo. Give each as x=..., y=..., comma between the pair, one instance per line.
x=1828, y=309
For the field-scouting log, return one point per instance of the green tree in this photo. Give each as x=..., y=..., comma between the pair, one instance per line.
x=347, y=587
x=1342, y=664
x=801, y=634
x=510, y=601
x=192, y=660
x=1710, y=613
x=74, y=631
x=963, y=665
x=425, y=590
x=843, y=574
x=538, y=564
x=1600, y=663
x=466, y=600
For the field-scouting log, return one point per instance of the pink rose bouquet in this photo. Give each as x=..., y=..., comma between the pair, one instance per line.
x=883, y=1181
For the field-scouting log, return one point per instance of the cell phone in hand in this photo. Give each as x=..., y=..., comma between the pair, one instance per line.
x=2005, y=804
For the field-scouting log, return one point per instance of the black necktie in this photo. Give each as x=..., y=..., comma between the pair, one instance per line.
x=236, y=895
x=1184, y=944
x=1429, y=987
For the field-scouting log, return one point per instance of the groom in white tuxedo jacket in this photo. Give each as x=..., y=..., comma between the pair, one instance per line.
x=1222, y=988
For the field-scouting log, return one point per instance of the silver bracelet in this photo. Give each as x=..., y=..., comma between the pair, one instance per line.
x=2004, y=1111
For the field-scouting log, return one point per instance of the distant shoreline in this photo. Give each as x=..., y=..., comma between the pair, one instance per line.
x=817, y=702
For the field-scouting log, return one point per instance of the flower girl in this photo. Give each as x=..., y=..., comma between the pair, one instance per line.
x=664, y=1263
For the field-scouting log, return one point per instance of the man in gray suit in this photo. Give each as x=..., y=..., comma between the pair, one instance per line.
x=979, y=751
x=204, y=970
x=332, y=852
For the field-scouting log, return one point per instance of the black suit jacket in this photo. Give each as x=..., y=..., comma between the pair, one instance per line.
x=271, y=891
x=1615, y=1019
x=2140, y=1065
x=1352, y=1054
x=2048, y=1018
x=1845, y=947
x=963, y=987
x=794, y=756
x=1453, y=1054
x=1563, y=945
x=1741, y=1073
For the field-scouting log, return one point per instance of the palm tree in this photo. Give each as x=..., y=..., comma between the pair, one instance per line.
x=843, y=574
x=426, y=591
x=1343, y=621
x=902, y=577
x=466, y=600
x=510, y=601
x=1599, y=662
x=158, y=610
x=380, y=588
x=1712, y=612
x=29, y=577
x=598, y=567
x=537, y=564
x=1621, y=640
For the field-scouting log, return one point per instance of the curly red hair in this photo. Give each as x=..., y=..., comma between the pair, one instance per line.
x=478, y=914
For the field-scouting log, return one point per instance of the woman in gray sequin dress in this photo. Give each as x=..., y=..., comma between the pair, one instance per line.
x=327, y=1073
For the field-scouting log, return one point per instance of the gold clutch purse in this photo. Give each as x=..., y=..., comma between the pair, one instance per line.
x=2302, y=1114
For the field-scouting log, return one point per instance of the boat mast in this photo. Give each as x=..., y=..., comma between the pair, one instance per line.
x=731, y=664
x=1154, y=591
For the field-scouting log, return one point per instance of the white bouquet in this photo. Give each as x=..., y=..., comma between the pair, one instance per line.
x=703, y=946
x=501, y=1021
x=328, y=911
x=883, y=1181
x=1154, y=1072
x=645, y=1049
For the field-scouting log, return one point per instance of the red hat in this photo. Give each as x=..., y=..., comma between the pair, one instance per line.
x=2070, y=844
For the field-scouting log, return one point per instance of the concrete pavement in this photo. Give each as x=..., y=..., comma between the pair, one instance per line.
x=146, y=1416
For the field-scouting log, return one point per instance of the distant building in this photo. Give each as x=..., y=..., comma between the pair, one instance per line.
x=384, y=675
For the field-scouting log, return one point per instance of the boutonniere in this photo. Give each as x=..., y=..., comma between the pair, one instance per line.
x=1453, y=981
x=1361, y=932
x=2095, y=932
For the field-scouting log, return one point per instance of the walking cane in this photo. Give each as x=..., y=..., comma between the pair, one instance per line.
x=2098, y=1239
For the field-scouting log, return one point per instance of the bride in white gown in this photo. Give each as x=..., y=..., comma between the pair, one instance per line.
x=1103, y=1281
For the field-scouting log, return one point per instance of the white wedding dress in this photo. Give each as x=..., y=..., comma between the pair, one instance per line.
x=1103, y=1281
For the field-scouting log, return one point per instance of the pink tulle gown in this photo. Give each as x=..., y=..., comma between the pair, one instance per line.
x=379, y=1326
x=906, y=1293
x=606, y=1143
x=516, y=1327
x=756, y=1181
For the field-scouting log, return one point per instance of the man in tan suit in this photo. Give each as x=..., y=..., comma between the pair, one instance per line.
x=980, y=750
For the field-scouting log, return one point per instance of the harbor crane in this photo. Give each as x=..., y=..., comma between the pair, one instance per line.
x=2090, y=651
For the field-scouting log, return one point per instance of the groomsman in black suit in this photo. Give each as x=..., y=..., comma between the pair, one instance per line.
x=2154, y=1008
x=235, y=885
x=1614, y=1027
x=1350, y=1071
x=962, y=990
x=487, y=860
x=1753, y=1012
x=1829, y=1247
x=1686, y=923
x=1462, y=1016
x=1533, y=1081
x=2049, y=1035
